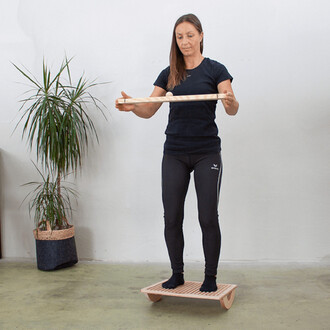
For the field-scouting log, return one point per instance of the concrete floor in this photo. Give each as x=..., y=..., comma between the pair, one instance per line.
x=107, y=296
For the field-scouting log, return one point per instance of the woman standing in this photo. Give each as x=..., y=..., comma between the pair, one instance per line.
x=192, y=144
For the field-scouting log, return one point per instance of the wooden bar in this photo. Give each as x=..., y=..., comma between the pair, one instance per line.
x=168, y=98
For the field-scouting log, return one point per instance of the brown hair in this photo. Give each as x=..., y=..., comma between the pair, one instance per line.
x=177, y=64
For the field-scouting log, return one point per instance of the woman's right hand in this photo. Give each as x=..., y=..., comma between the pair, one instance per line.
x=123, y=106
x=143, y=110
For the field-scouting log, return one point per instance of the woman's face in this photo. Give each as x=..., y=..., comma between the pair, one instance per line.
x=188, y=39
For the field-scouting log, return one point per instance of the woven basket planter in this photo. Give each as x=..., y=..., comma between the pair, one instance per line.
x=55, y=249
x=46, y=235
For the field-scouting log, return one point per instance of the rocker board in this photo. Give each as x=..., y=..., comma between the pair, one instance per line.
x=225, y=293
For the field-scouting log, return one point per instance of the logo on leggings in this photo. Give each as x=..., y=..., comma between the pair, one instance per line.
x=215, y=167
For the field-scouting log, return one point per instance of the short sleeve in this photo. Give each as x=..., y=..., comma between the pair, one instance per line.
x=221, y=73
x=162, y=79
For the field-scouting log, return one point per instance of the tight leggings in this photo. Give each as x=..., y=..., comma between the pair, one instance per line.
x=176, y=171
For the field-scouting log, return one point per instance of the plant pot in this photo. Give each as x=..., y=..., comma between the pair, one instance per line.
x=55, y=249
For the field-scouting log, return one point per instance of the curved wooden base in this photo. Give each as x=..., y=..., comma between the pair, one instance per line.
x=228, y=300
x=225, y=293
x=153, y=297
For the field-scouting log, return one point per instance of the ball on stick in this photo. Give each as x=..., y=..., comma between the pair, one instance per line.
x=169, y=94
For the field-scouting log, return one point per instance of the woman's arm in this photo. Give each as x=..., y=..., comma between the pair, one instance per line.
x=230, y=103
x=143, y=110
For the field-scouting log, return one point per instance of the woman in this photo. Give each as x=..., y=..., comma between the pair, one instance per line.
x=192, y=144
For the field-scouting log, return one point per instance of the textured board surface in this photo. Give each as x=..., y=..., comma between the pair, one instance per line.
x=190, y=290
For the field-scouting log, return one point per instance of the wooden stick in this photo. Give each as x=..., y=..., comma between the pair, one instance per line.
x=179, y=98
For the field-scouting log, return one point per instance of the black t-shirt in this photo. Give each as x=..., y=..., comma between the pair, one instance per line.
x=191, y=125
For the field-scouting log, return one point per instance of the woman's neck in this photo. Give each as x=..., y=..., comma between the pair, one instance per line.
x=193, y=61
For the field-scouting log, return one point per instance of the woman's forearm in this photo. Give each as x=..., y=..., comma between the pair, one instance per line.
x=146, y=110
x=232, y=108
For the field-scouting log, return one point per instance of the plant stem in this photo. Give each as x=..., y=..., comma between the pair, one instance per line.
x=58, y=183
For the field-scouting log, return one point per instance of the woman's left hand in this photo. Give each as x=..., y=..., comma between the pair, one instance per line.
x=229, y=102
x=229, y=99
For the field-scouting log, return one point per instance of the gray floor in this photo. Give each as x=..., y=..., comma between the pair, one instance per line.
x=107, y=296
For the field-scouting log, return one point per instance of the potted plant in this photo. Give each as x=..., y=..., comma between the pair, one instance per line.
x=56, y=123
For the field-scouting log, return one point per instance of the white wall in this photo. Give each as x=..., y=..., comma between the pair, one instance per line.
x=275, y=193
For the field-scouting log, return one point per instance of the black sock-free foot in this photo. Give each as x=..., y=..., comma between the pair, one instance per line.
x=209, y=284
x=175, y=280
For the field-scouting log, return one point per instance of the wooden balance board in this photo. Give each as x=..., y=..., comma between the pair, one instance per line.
x=225, y=293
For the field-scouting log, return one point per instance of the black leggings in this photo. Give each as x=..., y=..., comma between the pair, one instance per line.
x=176, y=171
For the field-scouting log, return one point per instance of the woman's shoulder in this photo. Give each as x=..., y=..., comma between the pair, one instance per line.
x=217, y=70
x=162, y=78
x=166, y=71
x=213, y=63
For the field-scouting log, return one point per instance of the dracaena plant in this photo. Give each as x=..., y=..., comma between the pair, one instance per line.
x=50, y=203
x=57, y=124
